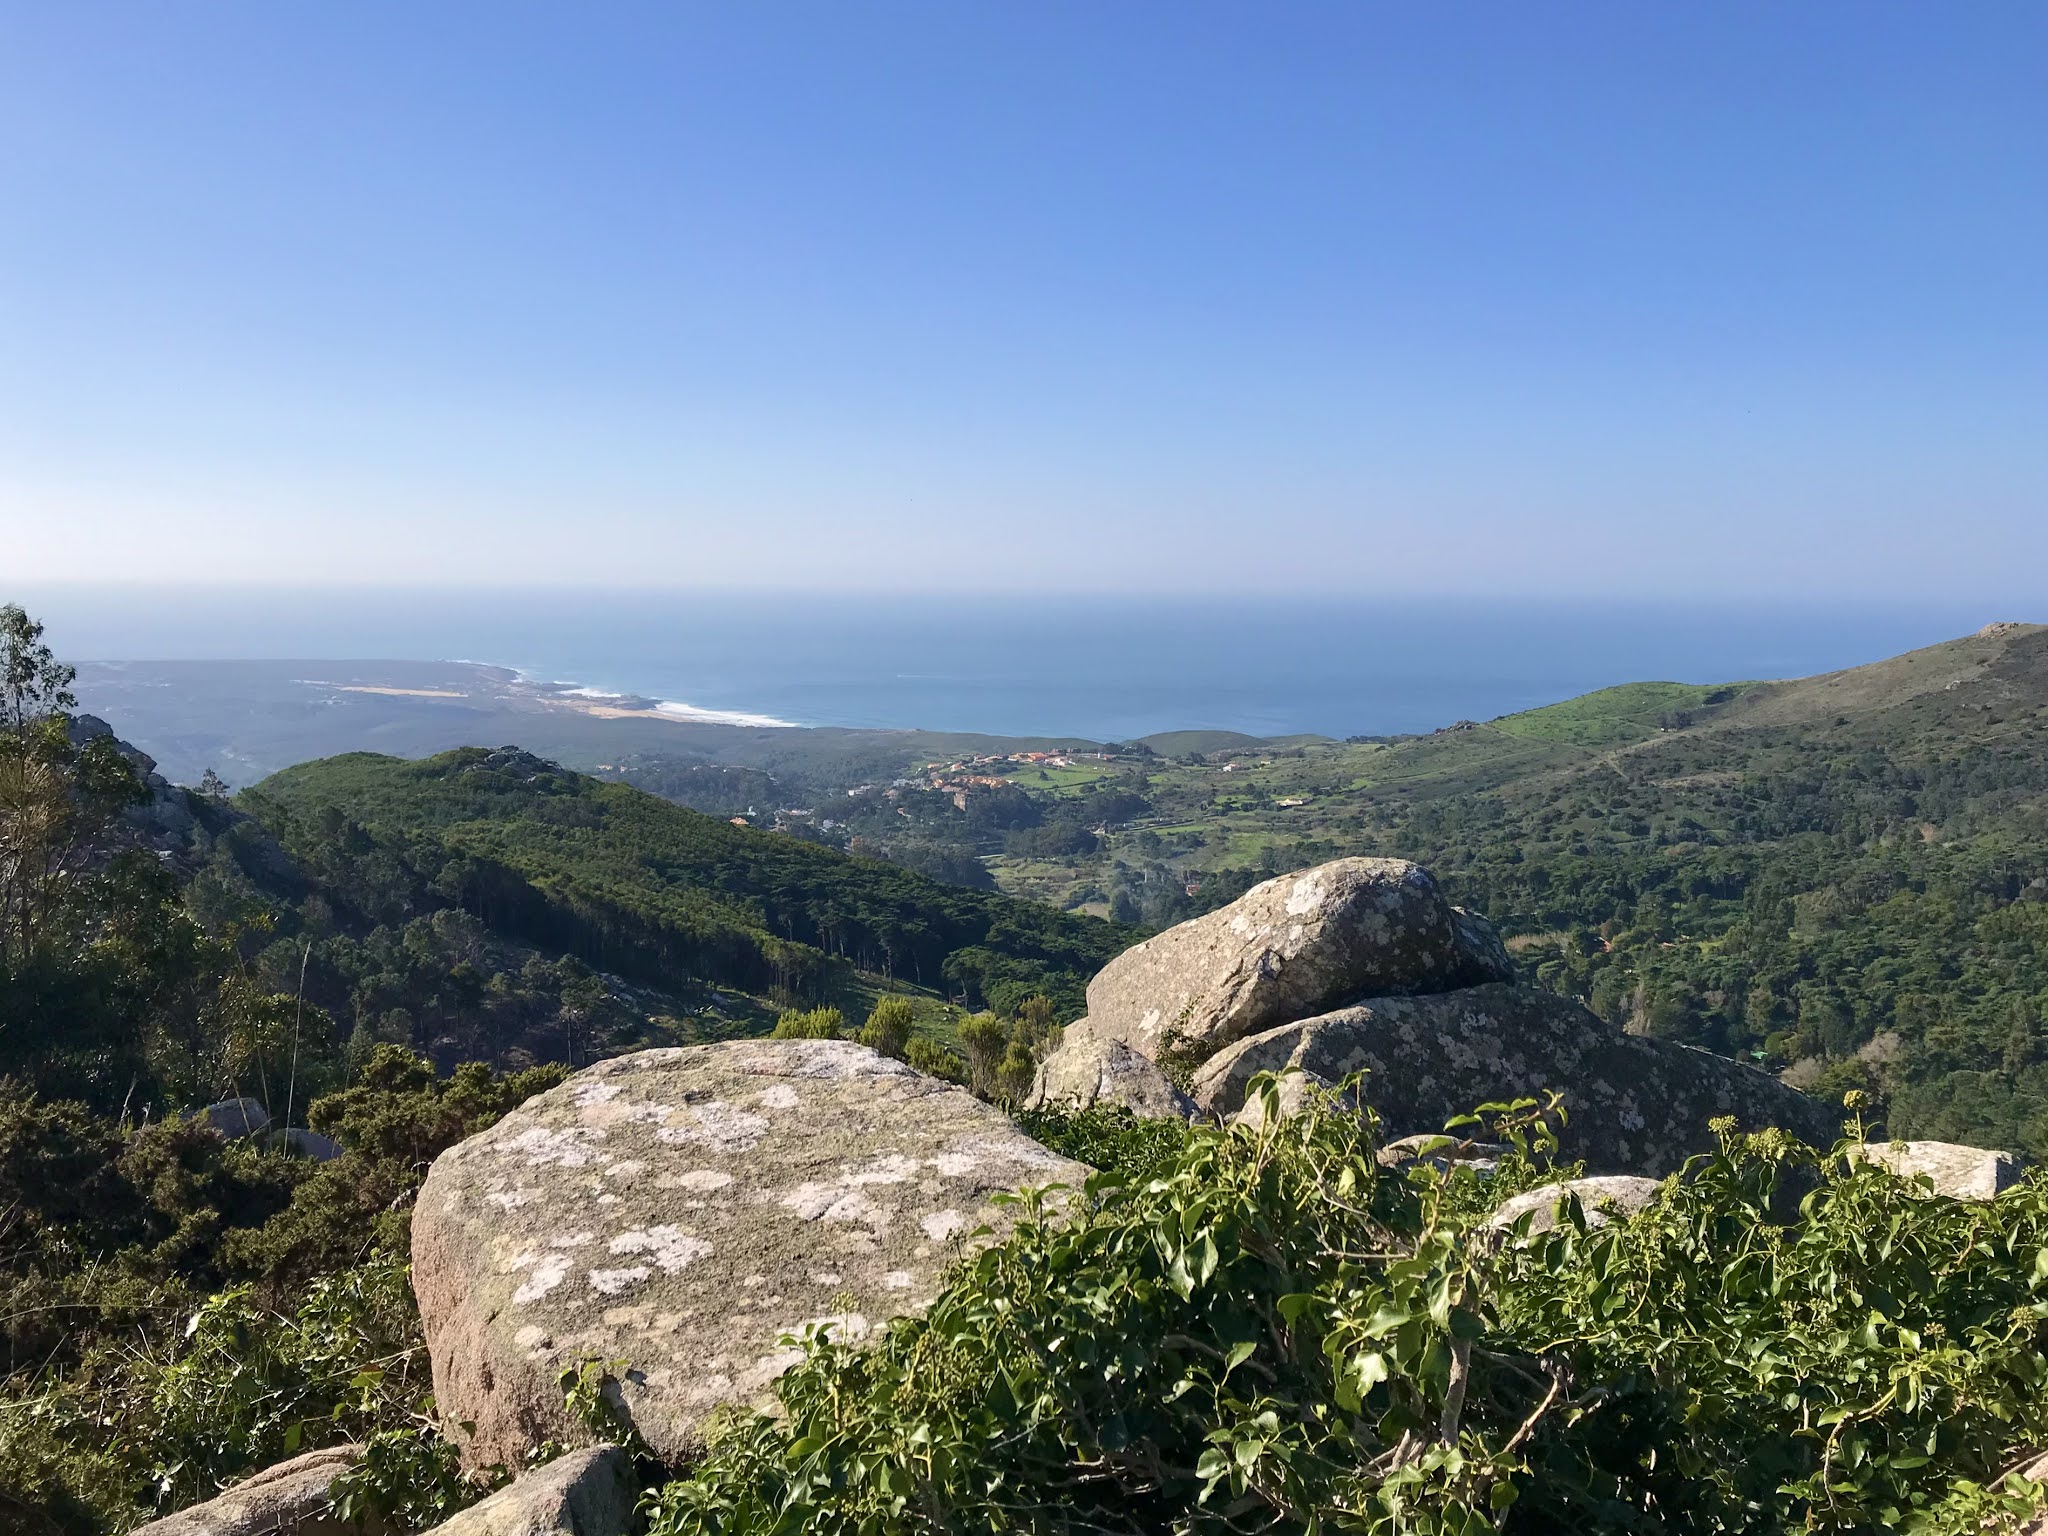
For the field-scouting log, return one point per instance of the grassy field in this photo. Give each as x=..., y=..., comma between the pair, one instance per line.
x=1073, y=779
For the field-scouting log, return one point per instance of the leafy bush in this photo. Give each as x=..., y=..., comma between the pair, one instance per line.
x=398, y=1117
x=179, y=1309
x=1272, y=1332
x=930, y=1057
x=888, y=1027
x=1110, y=1138
x=814, y=1024
x=1845, y=1370
x=169, y=1419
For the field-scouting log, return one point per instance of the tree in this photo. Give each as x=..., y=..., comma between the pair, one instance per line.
x=56, y=802
x=33, y=683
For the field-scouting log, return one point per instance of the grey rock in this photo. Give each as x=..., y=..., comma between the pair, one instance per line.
x=289, y=1499
x=321, y=1149
x=235, y=1118
x=1482, y=955
x=583, y=1493
x=84, y=728
x=1286, y=949
x=1089, y=1069
x=1442, y=1151
x=1635, y=1105
x=1959, y=1172
x=683, y=1210
x=1295, y=1091
x=165, y=819
x=1602, y=1199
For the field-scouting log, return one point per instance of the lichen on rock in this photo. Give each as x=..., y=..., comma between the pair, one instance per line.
x=1289, y=948
x=1601, y=1200
x=1089, y=1068
x=1955, y=1171
x=682, y=1211
x=1633, y=1105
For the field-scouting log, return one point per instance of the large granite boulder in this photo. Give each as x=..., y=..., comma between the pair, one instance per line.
x=1634, y=1105
x=683, y=1210
x=1088, y=1068
x=289, y=1499
x=584, y=1493
x=1959, y=1172
x=1287, y=949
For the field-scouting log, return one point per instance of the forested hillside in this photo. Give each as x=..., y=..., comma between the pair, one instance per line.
x=662, y=894
x=1844, y=878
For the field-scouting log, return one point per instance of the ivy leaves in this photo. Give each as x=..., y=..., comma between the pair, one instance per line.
x=1264, y=1330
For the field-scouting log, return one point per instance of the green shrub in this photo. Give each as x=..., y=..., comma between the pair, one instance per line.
x=1273, y=1333
x=817, y=1024
x=933, y=1059
x=1110, y=1138
x=179, y=1309
x=179, y=1412
x=1001, y=1055
x=888, y=1026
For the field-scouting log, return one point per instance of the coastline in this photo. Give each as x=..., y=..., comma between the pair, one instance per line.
x=609, y=704
x=521, y=689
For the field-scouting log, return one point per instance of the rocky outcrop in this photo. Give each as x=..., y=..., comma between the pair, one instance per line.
x=513, y=762
x=289, y=1499
x=1287, y=949
x=1959, y=1172
x=683, y=1210
x=583, y=1493
x=1088, y=1069
x=1634, y=1105
x=165, y=817
x=1601, y=1199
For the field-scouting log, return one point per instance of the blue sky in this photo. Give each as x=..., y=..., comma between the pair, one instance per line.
x=1477, y=298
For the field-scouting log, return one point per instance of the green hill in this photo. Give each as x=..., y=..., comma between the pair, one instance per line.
x=1180, y=743
x=1630, y=713
x=667, y=896
x=1842, y=877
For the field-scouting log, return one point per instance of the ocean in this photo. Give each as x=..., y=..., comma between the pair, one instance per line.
x=1102, y=667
